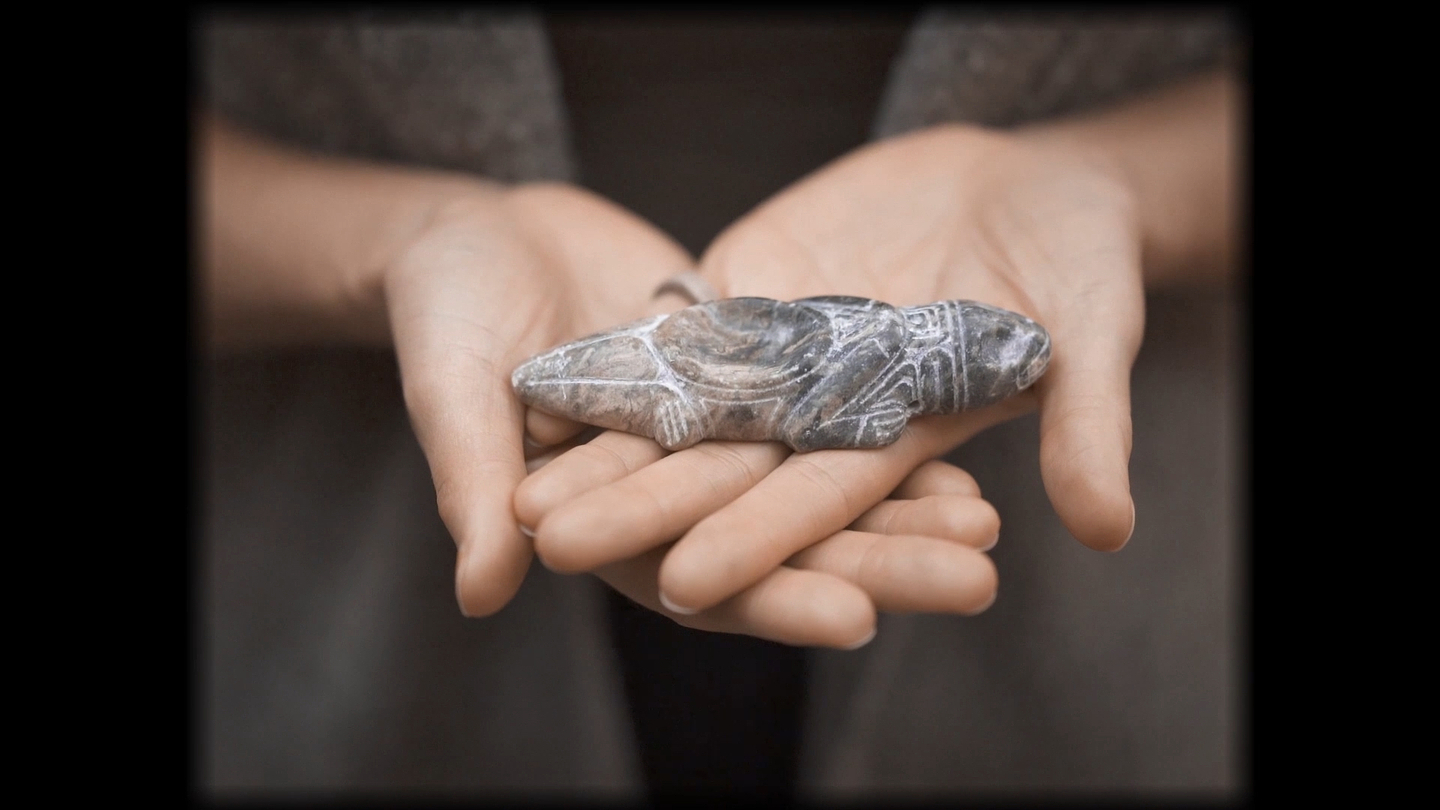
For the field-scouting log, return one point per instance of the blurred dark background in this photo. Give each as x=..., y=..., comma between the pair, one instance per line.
x=692, y=119
x=336, y=658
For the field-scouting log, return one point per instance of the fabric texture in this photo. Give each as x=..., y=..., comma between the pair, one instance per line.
x=332, y=656
x=1006, y=68
x=473, y=91
x=1092, y=672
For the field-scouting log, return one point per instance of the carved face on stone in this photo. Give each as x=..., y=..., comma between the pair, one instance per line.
x=971, y=355
x=1017, y=345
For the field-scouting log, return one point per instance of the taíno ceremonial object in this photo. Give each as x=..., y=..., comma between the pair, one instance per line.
x=828, y=372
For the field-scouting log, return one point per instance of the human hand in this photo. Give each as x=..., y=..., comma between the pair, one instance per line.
x=501, y=274
x=465, y=278
x=495, y=275
x=1032, y=225
x=919, y=550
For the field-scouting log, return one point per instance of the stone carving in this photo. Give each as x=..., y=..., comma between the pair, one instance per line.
x=833, y=371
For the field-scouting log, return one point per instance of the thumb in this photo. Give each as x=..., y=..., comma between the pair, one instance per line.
x=470, y=427
x=472, y=440
x=1085, y=437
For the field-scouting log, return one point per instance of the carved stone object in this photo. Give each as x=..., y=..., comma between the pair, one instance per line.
x=827, y=372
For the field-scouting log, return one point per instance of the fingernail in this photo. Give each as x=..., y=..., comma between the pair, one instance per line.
x=862, y=642
x=674, y=608
x=526, y=530
x=1132, y=521
x=991, y=544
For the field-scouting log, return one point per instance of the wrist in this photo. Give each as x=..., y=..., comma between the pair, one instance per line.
x=405, y=206
x=295, y=246
x=1174, y=152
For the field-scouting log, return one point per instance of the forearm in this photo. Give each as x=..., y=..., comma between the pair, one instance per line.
x=1178, y=152
x=293, y=246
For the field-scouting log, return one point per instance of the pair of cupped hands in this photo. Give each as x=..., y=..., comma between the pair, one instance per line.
x=748, y=537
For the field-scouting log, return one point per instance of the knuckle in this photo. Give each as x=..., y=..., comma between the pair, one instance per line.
x=893, y=517
x=649, y=512
x=869, y=566
x=726, y=469
x=603, y=455
x=831, y=492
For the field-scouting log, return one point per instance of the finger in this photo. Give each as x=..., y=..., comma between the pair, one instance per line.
x=959, y=518
x=1085, y=440
x=803, y=608
x=534, y=451
x=609, y=457
x=906, y=574
x=535, y=458
x=546, y=430
x=652, y=506
x=667, y=302
x=807, y=498
x=937, y=477
x=533, y=463
x=469, y=426
x=582, y=473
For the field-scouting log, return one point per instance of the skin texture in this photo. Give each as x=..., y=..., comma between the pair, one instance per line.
x=467, y=278
x=1065, y=223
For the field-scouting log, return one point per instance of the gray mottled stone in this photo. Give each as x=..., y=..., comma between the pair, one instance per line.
x=834, y=371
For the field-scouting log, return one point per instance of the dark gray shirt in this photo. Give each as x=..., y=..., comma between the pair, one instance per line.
x=333, y=656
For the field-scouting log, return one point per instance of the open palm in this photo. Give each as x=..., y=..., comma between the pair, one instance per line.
x=499, y=274
x=951, y=212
